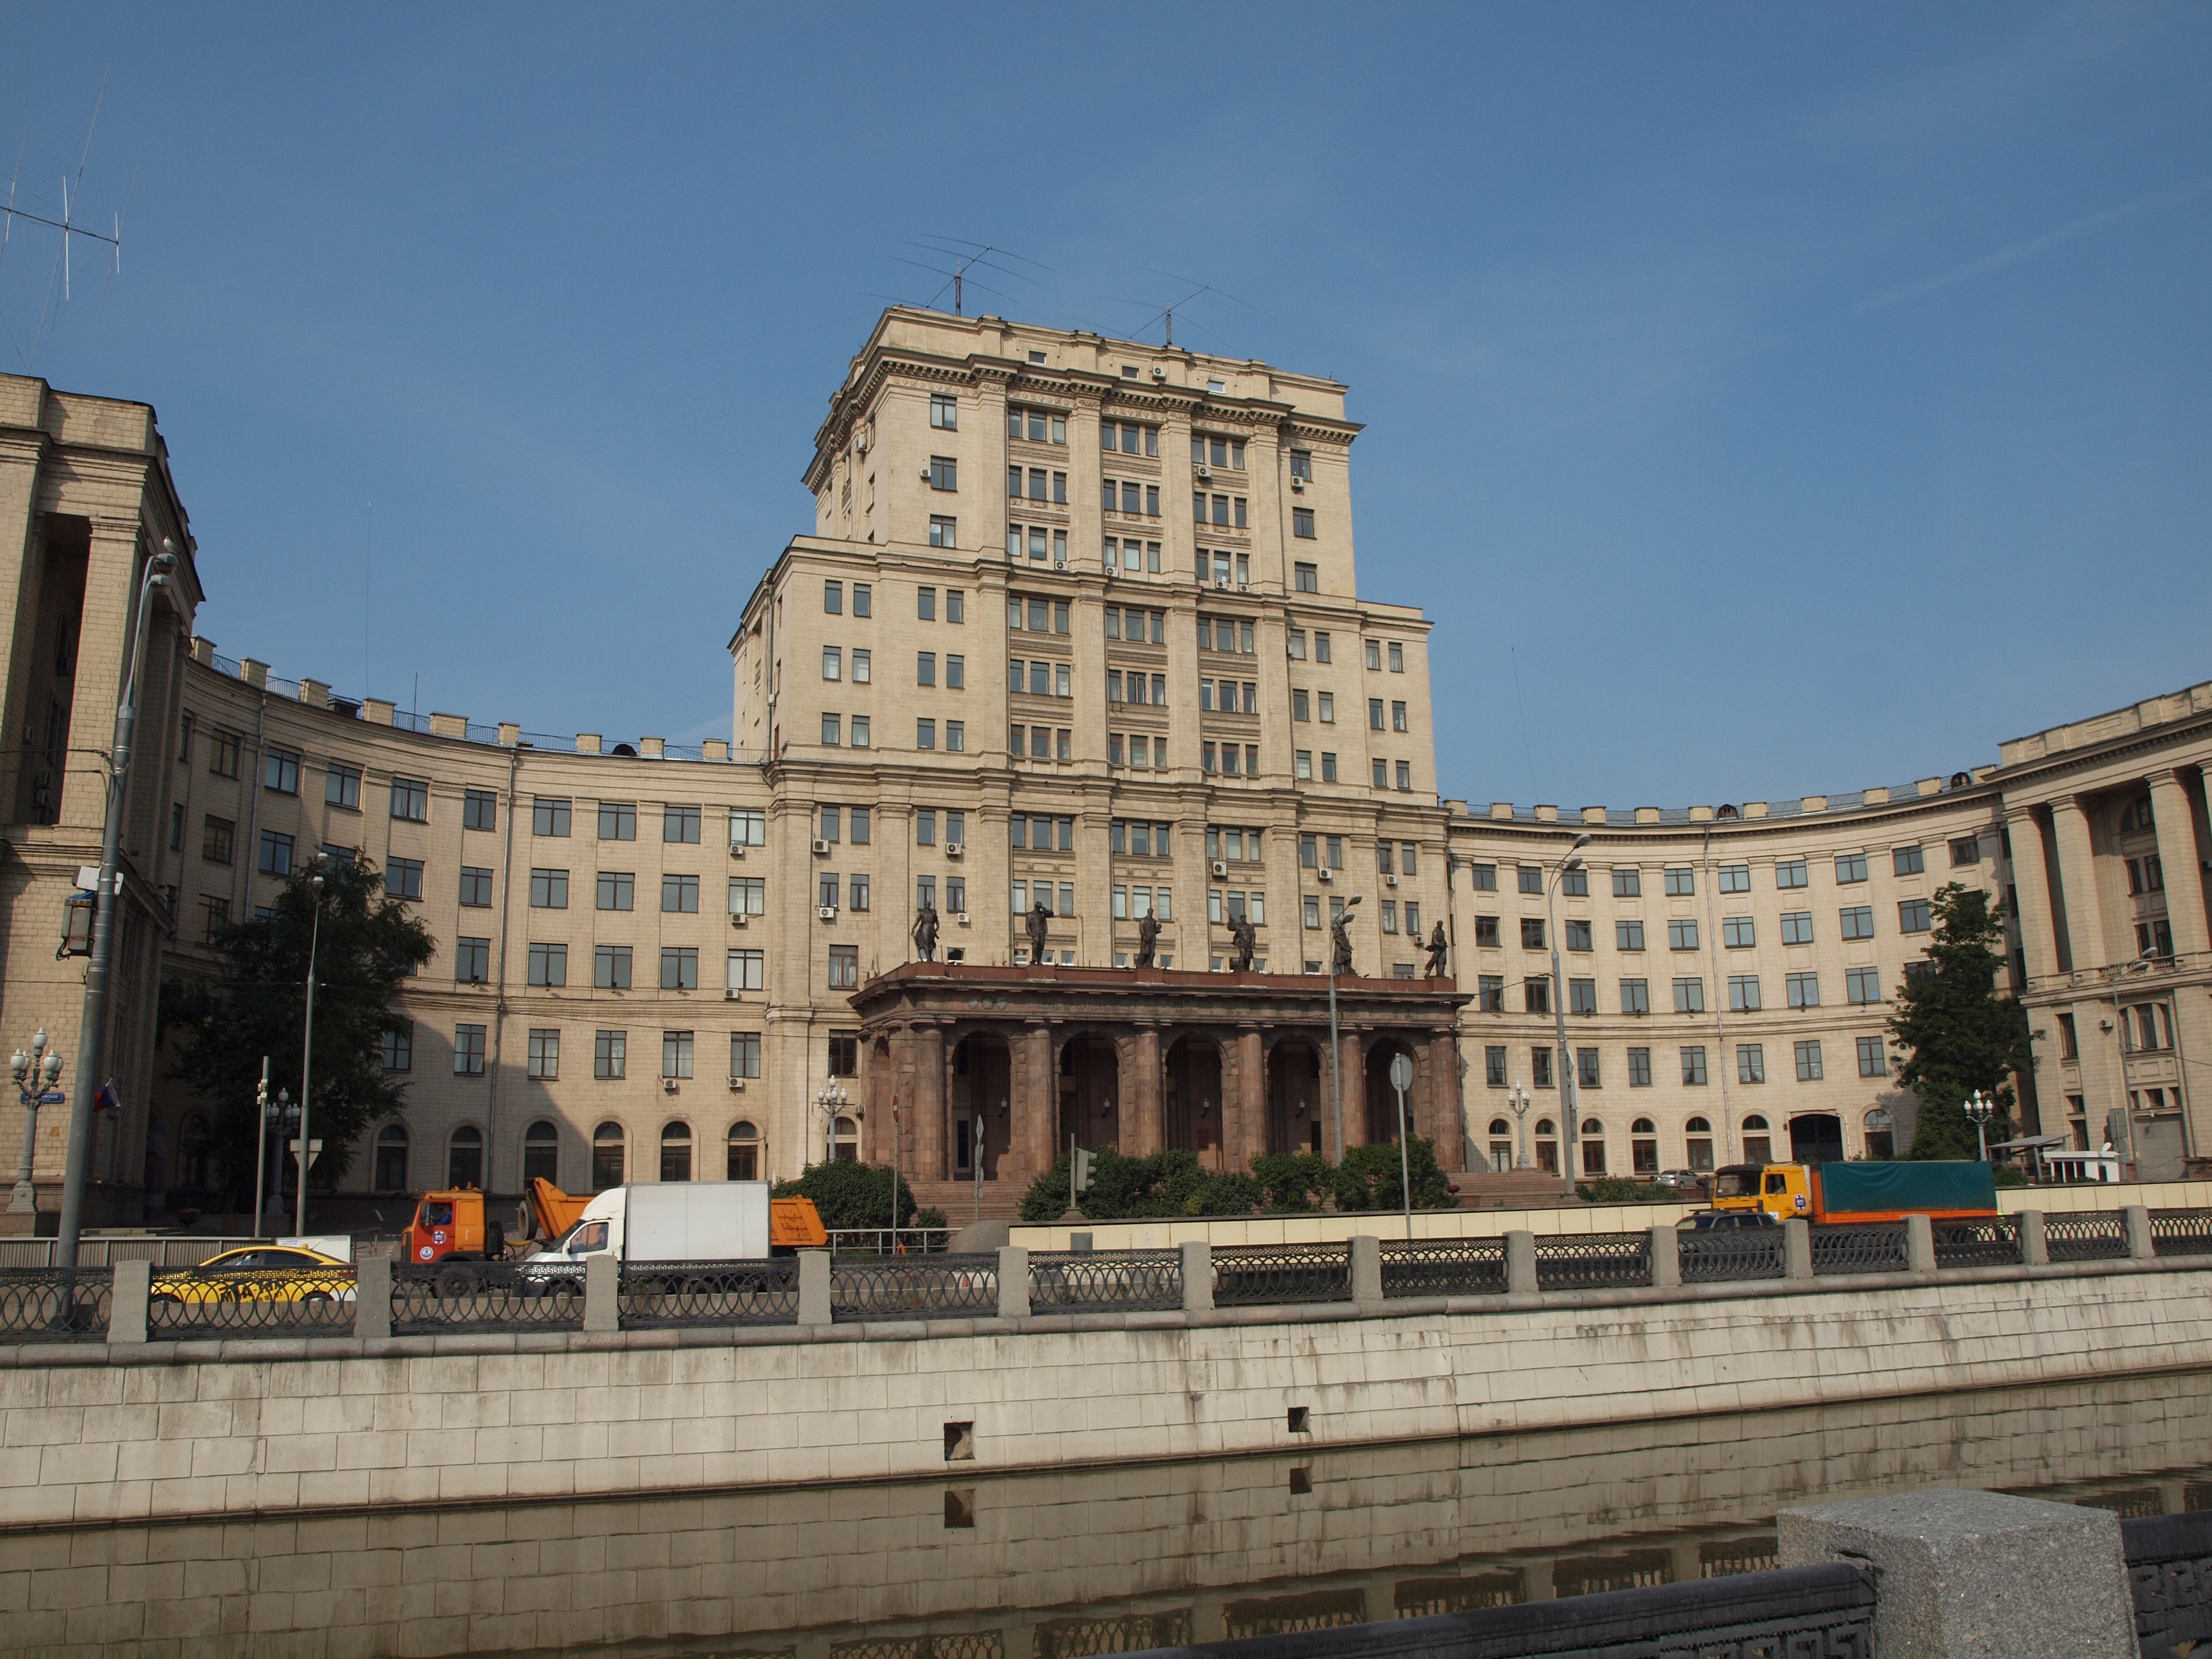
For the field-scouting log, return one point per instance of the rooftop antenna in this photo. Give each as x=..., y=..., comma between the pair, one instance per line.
x=67, y=224
x=964, y=257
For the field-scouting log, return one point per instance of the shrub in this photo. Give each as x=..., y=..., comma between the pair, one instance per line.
x=1369, y=1178
x=1621, y=1190
x=1291, y=1182
x=1165, y=1185
x=856, y=1195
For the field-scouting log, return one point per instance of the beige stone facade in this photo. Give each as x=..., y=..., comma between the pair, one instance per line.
x=981, y=681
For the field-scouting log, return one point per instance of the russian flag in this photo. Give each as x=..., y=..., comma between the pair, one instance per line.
x=107, y=1100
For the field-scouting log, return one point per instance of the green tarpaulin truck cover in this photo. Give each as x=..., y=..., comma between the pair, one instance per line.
x=1851, y=1189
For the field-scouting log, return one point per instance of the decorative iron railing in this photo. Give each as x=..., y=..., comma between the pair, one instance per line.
x=1718, y=1254
x=1105, y=1281
x=1592, y=1262
x=1977, y=1244
x=887, y=1241
x=484, y=1296
x=656, y=1295
x=1250, y=1275
x=903, y=1286
x=55, y=1305
x=1445, y=1266
x=1864, y=1246
x=2085, y=1236
x=251, y=1302
x=2181, y=1232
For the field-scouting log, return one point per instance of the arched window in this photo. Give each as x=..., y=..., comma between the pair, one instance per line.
x=464, y=1157
x=392, y=1158
x=2136, y=816
x=744, y=1151
x=606, y=1156
x=192, y=1154
x=676, y=1151
x=1548, y=1146
x=1593, y=1147
x=1501, y=1143
x=1697, y=1144
x=1498, y=1126
x=1756, y=1147
x=848, y=1141
x=1755, y=1122
x=1644, y=1147
x=1881, y=1134
x=1592, y=1127
x=1698, y=1126
x=541, y=1153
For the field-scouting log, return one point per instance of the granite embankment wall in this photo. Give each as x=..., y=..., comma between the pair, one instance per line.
x=238, y=1428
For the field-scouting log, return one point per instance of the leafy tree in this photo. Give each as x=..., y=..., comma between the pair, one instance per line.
x=1369, y=1178
x=1958, y=1032
x=857, y=1195
x=1293, y=1182
x=1164, y=1186
x=366, y=946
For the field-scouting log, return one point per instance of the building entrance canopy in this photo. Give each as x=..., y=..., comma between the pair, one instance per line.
x=1003, y=1065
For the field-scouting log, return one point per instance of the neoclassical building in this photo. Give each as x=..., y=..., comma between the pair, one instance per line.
x=657, y=963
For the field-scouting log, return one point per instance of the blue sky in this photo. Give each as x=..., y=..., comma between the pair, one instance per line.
x=1763, y=400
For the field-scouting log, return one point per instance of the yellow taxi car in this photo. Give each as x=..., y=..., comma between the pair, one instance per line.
x=257, y=1273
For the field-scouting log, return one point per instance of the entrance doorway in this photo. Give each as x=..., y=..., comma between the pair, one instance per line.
x=1192, y=1095
x=1816, y=1138
x=1090, y=1093
x=1295, y=1106
x=982, y=1124
x=1383, y=1099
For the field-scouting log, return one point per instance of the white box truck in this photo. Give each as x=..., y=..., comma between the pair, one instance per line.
x=687, y=1221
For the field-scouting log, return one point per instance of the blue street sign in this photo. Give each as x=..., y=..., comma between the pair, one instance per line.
x=53, y=1097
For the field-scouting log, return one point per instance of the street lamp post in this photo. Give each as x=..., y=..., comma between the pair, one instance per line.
x=1571, y=1124
x=281, y=1118
x=832, y=1100
x=1335, y=1079
x=1980, y=1107
x=1519, y=1099
x=307, y=1056
x=35, y=1073
x=260, y=1141
x=92, y=1030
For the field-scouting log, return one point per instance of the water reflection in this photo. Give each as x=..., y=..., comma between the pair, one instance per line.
x=1054, y=1567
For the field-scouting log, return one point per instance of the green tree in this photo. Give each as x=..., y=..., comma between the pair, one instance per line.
x=1958, y=1032
x=857, y=1195
x=366, y=946
x=1370, y=1178
x=1293, y=1182
x=1164, y=1186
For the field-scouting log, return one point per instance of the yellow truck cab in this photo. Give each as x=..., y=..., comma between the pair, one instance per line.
x=1859, y=1191
x=1784, y=1191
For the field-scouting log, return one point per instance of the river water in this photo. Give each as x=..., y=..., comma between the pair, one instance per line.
x=1041, y=1566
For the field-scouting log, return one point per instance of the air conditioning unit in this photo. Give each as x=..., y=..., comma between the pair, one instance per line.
x=963, y=918
x=1389, y=881
x=1322, y=873
x=825, y=912
x=1159, y=374
x=737, y=1085
x=1222, y=582
x=821, y=849
x=924, y=475
x=1219, y=868
x=668, y=1085
x=1060, y=564
x=1205, y=473
x=736, y=851
x=953, y=849
x=1298, y=484
x=740, y=919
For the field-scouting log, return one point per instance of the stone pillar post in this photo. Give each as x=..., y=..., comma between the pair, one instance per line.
x=1796, y=1250
x=2077, y=883
x=1351, y=1081
x=1036, y=1105
x=1249, y=1121
x=1367, y=1272
x=602, y=1290
x=126, y=1306
x=1141, y=1110
x=2031, y=873
x=2179, y=862
x=1520, y=1263
x=371, y=1297
x=1665, y=1259
x=924, y=1104
x=2134, y=1218
x=2034, y=1245
x=814, y=1306
x=1013, y=1282
x=1197, y=1276
x=1919, y=1244
x=1444, y=1113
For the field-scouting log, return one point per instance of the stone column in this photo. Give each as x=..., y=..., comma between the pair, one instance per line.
x=922, y=1102
x=1444, y=1114
x=1036, y=1137
x=1141, y=1109
x=110, y=591
x=2177, y=859
x=2038, y=924
x=1244, y=1131
x=1351, y=1081
x=2077, y=882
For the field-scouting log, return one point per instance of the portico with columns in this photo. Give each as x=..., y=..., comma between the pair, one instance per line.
x=1228, y=1066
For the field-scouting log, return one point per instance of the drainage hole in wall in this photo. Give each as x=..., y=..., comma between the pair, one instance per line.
x=959, y=1442
x=1298, y=1421
x=960, y=1506
x=1301, y=1484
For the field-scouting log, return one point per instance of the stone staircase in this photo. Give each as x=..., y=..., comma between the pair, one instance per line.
x=1002, y=1200
x=1512, y=1189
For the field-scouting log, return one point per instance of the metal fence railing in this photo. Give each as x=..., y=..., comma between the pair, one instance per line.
x=1869, y=1246
x=163, y=1250
x=903, y=1286
x=1105, y=1281
x=1250, y=1275
x=656, y=1295
x=888, y=1241
x=2181, y=1232
x=55, y=1305
x=1976, y=1244
x=1719, y=1254
x=1592, y=1262
x=1445, y=1266
x=484, y=1295
x=249, y=1302
x=2085, y=1236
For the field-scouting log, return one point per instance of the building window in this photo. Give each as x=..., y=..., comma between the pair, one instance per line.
x=844, y=967
x=1689, y=996
x=1636, y=996
x=1743, y=993
x=410, y=799
x=1966, y=850
x=1750, y=1062
x=676, y=1053
x=1857, y=922
x=1493, y=1065
x=1907, y=860
x=1639, y=1068
x=398, y=1047
x=679, y=895
x=680, y=825
x=1808, y=1061
x=392, y=1158
x=676, y=1146
x=403, y=878
x=1862, y=986
x=1804, y=990
x=679, y=969
x=341, y=786
x=1682, y=934
x=548, y=890
x=1628, y=935
x=945, y=412
x=1693, y=1067
x=465, y=1151
x=1738, y=932
x=479, y=810
x=468, y=1050
x=617, y=891
x=280, y=770
x=276, y=854
x=1582, y=994
x=609, y=1056
x=943, y=472
x=1734, y=878
x=1757, y=1148
x=1301, y=523
x=1851, y=867
x=1536, y=995
x=1790, y=872
x=548, y=817
x=471, y=961
x=611, y=967
x=1914, y=916
x=222, y=753
x=1797, y=928
x=544, y=1064
x=744, y=1053
x=549, y=964
x=1873, y=1062
x=1307, y=580
x=607, y=1140
x=1578, y=935
x=1490, y=988
x=748, y=970
x=1540, y=1074
x=1532, y=933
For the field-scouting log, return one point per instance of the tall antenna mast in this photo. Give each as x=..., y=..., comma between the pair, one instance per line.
x=67, y=224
